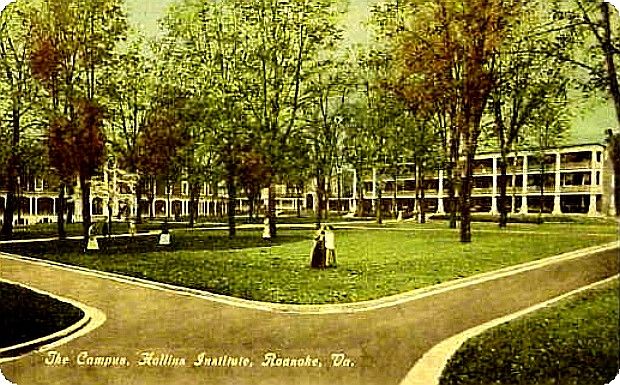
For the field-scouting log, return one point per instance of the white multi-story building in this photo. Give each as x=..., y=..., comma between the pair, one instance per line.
x=576, y=179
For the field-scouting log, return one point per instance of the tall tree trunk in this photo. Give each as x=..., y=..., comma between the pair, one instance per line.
x=338, y=187
x=542, y=189
x=271, y=210
x=378, y=211
x=360, y=192
x=608, y=49
x=465, y=191
x=194, y=194
x=11, y=203
x=85, y=192
x=232, y=202
x=299, y=200
x=168, y=206
x=139, y=188
x=62, y=234
x=9, y=207
x=395, y=197
x=422, y=202
x=320, y=197
x=617, y=191
x=503, y=181
x=452, y=178
x=416, y=206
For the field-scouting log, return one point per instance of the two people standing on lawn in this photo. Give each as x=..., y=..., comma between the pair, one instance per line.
x=324, y=248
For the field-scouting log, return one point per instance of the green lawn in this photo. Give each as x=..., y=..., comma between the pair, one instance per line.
x=371, y=263
x=26, y=315
x=573, y=342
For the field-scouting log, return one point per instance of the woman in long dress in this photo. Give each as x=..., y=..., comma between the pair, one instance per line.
x=317, y=257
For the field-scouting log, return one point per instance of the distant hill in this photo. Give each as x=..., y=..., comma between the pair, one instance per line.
x=593, y=116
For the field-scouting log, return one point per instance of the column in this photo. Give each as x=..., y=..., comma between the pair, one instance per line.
x=440, y=206
x=354, y=201
x=494, y=192
x=593, y=186
x=154, y=197
x=54, y=206
x=524, y=188
x=513, y=191
x=36, y=208
x=557, y=206
x=30, y=206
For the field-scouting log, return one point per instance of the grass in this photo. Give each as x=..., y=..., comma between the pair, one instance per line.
x=26, y=315
x=372, y=263
x=573, y=342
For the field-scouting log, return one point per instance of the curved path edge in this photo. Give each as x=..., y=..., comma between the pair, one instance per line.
x=92, y=319
x=353, y=307
x=428, y=369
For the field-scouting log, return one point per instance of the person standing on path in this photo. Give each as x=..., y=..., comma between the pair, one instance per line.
x=330, y=247
x=317, y=255
x=266, y=231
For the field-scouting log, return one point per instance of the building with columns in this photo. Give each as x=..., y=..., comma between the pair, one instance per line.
x=575, y=179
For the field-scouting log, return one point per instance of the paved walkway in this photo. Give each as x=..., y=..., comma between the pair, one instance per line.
x=383, y=343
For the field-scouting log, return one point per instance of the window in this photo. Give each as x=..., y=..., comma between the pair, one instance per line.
x=38, y=184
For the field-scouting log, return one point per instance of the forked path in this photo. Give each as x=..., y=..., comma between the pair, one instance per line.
x=383, y=343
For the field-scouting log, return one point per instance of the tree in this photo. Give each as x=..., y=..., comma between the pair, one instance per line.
x=18, y=109
x=82, y=135
x=162, y=142
x=285, y=39
x=327, y=93
x=592, y=22
x=530, y=80
x=613, y=145
x=130, y=97
x=545, y=132
x=449, y=49
x=210, y=40
x=253, y=174
x=70, y=43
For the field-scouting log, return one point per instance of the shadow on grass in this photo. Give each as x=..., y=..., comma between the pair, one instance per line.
x=181, y=241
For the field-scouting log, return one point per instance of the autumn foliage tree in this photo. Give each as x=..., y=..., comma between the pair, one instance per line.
x=162, y=142
x=253, y=177
x=81, y=135
x=70, y=43
x=447, y=51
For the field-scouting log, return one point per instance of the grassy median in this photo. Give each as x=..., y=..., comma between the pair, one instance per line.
x=372, y=263
x=26, y=315
x=573, y=342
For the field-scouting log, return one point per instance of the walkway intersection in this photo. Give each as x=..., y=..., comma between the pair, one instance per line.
x=157, y=334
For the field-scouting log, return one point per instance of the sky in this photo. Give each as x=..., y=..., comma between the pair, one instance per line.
x=145, y=13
